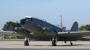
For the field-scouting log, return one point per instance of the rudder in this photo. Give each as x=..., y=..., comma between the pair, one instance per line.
x=74, y=26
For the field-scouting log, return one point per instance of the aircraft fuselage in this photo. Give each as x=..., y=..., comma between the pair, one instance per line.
x=40, y=27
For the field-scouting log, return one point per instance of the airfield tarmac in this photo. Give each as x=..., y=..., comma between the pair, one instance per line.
x=44, y=45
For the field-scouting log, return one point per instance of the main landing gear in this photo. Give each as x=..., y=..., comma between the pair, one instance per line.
x=26, y=41
x=54, y=41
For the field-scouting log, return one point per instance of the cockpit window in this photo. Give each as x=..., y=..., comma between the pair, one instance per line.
x=30, y=19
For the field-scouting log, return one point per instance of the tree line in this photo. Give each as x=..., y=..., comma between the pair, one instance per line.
x=10, y=26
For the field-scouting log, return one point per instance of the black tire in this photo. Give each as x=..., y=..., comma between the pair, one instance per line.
x=26, y=43
x=53, y=42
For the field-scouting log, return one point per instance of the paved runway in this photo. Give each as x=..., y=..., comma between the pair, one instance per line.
x=44, y=45
x=38, y=49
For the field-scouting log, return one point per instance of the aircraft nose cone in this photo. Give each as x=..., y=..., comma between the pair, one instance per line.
x=22, y=22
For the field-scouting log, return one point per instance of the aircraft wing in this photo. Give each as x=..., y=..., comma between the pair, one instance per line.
x=78, y=34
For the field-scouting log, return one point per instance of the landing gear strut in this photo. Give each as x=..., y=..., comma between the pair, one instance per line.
x=70, y=40
x=54, y=40
x=26, y=42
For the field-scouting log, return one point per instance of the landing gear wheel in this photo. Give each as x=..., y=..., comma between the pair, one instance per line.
x=26, y=43
x=54, y=43
x=71, y=43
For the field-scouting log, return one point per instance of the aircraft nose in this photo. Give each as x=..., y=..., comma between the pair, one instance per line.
x=22, y=22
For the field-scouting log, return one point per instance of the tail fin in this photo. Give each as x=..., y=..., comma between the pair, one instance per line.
x=74, y=26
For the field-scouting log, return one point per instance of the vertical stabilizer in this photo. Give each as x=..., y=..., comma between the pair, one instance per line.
x=74, y=26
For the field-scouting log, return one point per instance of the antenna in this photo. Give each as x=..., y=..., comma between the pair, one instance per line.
x=61, y=24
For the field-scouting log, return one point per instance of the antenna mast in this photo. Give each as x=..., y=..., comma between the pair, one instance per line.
x=61, y=24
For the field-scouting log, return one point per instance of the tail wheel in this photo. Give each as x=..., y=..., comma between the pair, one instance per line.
x=71, y=43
